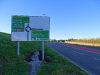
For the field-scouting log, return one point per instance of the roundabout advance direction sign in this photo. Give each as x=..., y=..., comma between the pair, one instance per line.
x=30, y=28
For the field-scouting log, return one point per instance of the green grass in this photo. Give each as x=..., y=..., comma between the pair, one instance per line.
x=11, y=64
x=58, y=65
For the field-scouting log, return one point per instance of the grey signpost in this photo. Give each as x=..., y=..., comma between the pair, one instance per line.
x=43, y=51
x=18, y=48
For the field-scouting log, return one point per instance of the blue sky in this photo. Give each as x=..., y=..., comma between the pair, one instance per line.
x=69, y=18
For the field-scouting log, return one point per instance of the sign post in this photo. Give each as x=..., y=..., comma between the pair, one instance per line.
x=18, y=48
x=42, y=51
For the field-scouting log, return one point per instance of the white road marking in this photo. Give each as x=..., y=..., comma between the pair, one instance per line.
x=80, y=52
x=97, y=58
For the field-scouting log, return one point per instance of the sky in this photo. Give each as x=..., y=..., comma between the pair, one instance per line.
x=68, y=18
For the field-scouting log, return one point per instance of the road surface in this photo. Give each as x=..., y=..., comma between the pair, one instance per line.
x=86, y=57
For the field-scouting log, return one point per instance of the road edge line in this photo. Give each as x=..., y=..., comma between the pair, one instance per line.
x=71, y=61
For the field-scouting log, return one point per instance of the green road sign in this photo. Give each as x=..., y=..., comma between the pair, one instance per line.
x=18, y=23
x=40, y=34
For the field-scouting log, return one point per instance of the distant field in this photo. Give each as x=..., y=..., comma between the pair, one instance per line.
x=88, y=42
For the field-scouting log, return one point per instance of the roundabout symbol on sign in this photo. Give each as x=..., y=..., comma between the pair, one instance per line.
x=28, y=28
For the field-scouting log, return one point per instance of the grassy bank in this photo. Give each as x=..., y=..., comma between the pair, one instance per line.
x=10, y=64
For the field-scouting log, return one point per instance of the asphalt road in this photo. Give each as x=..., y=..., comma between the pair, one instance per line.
x=85, y=57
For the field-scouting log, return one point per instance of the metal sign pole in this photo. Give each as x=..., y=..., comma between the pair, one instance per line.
x=18, y=47
x=43, y=51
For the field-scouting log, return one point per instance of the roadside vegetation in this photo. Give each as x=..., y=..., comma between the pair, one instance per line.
x=87, y=42
x=11, y=64
x=94, y=41
x=57, y=65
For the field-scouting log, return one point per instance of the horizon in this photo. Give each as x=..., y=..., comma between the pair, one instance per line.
x=64, y=39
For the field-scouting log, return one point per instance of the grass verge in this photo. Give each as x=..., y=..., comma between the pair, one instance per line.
x=10, y=64
x=58, y=65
